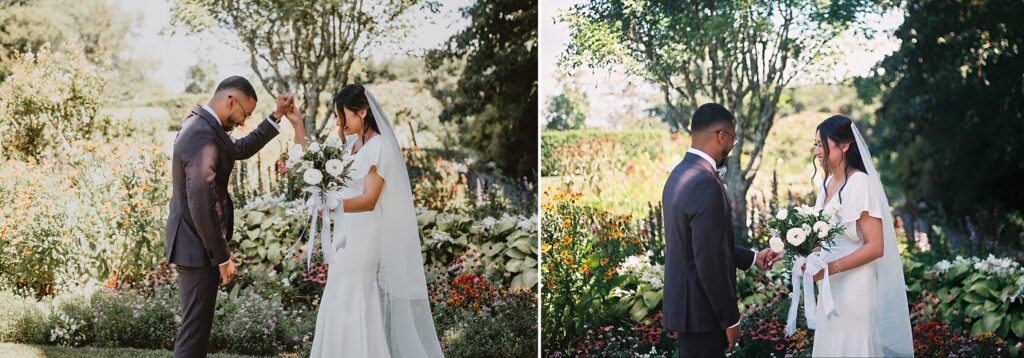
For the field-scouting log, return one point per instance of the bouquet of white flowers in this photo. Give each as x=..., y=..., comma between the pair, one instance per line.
x=325, y=169
x=806, y=228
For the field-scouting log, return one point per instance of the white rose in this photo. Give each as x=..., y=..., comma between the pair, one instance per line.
x=821, y=228
x=782, y=215
x=335, y=167
x=312, y=176
x=776, y=244
x=314, y=147
x=796, y=236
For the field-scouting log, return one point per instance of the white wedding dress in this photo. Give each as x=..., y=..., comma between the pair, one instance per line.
x=375, y=303
x=871, y=313
x=350, y=322
x=854, y=332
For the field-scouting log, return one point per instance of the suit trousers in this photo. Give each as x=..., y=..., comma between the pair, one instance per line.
x=703, y=344
x=198, y=289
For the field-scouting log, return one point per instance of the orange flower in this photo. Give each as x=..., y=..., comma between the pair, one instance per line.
x=111, y=283
x=566, y=224
x=551, y=267
x=568, y=261
x=604, y=261
x=585, y=269
x=607, y=277
x=566, y=241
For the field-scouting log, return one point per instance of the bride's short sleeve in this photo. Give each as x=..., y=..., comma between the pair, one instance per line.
x=369, y=156
x=858, y=197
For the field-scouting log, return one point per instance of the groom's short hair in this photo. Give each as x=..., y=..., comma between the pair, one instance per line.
x=709, y=114
x=237, y=83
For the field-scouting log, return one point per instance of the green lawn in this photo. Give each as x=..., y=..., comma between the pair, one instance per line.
x=34, y=351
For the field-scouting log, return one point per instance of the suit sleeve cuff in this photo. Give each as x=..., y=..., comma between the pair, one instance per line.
x=737, y=322
x=270, y=118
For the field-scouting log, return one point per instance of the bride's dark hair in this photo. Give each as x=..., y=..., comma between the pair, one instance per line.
x=353, y=97
x=839, y=130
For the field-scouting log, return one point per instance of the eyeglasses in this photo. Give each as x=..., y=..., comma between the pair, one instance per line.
x=247, y=114
x=735, y=141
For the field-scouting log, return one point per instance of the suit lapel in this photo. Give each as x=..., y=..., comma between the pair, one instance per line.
x=217, y=127
x=697, y=160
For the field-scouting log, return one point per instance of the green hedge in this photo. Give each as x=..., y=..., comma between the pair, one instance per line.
x=562, y=148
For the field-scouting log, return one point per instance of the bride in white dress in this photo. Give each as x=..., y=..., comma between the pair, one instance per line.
x=866, y=272
x=375, y=303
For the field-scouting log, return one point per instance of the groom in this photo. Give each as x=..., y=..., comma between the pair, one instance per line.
x=201, y=213
x=701, y=257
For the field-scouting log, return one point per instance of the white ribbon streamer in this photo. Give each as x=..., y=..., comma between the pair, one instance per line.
x=321, y=204
x=815, y=262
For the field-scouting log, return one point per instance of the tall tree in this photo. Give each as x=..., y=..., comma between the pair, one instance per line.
x=302, y=47
x=567, y=110
x=497, y=90
x=952, y=106
x=741, y=54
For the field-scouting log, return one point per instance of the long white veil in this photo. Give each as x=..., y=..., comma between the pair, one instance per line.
x=893, y=314
x=408, y=321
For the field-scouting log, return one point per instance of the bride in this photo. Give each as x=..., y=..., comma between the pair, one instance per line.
x=865, y=268
x=375, y=301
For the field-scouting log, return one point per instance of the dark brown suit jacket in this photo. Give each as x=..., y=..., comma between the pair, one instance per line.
x=701, y=258
x=201, y=216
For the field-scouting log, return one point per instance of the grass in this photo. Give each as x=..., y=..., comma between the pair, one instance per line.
x=34, y=351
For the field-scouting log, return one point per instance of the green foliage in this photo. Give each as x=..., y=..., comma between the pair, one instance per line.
x=201, y=78
x=497, y=92
x=567, y=110
x=134, y=319
x=593, y=150
x=509, y=329
x=952, y=106
x=96, y=214
x=584, y=250
x=96, y=26
x=50, y=100
x=973, y=294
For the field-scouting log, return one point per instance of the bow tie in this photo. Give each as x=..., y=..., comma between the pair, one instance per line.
x=721, y=171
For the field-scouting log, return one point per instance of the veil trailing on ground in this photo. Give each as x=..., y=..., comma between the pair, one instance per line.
x=408, y=321
x=893, y=315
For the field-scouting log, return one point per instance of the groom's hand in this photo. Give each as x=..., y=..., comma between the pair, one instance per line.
x=733, y=335
x=765, y=259
x=227, y=271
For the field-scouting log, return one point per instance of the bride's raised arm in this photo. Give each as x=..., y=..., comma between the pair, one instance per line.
x=295, y=118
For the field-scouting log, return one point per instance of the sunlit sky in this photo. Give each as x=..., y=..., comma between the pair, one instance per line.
x=175, y=53
x=603, y=86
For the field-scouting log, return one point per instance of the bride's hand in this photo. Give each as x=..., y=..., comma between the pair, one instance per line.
x=295, y=116
x=298, y=124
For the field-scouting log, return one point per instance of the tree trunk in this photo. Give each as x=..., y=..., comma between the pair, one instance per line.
x=737, y=189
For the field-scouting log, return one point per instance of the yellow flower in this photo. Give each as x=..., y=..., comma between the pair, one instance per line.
x=568, y=261
x=545, y=248
x=566, y=241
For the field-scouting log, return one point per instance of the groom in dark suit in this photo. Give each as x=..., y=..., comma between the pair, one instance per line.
x=701, y=257
x=201, y=213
